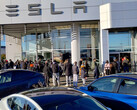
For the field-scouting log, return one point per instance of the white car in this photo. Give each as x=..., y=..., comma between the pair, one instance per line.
x=50, y=99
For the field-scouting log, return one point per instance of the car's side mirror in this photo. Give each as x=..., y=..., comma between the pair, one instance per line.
x=90, y=88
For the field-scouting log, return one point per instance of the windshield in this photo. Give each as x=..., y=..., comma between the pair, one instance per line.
x=67, y=102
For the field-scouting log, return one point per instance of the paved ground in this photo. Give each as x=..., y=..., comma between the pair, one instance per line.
x=63, y=81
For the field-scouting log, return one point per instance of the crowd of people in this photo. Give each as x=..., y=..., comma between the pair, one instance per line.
x=75, y=71
x=52, y=69
x=116, y=66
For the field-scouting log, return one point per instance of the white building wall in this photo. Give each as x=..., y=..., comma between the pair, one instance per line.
x=115, y=15
x=13, y=48
x=92, y=10
x=118, y=15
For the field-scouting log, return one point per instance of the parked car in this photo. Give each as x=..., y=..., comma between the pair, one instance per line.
x=13, y=81
x=119, y=91
x=51, y=99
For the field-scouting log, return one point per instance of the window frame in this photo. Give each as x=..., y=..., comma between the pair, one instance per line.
x=26, y=99
x=115, y=86
x=121, y=80
x=5, y=74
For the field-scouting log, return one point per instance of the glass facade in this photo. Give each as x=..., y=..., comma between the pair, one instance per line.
x=89, y=42
x=120, y=41
x=45, y=44
x=61, y=38
x=29, y=47
x=123, y=44
x=55, y=42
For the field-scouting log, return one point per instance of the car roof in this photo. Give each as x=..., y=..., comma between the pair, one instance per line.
x=51, y=95
x=9, y=70
x=52, y=91
x=126, y=75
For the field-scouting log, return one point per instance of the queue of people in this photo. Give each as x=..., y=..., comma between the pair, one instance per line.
x=75, y=71
x=116, y=67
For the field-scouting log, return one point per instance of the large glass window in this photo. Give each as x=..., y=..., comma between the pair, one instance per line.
x=29, y=46
x=89, y=42
x=61, y=39
x=119, y=41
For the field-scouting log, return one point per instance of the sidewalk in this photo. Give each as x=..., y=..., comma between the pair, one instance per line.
x=63, y=81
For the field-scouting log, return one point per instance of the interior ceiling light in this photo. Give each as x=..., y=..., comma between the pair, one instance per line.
x=85, y=26
x=63, y=27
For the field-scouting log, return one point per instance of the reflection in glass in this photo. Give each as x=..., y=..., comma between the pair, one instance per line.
x=89, y=42
x=119, y=41
x=29, y=46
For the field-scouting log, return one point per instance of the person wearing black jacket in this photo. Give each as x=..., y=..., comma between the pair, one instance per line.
x=47, y=72
x=68, y=72
x=55, y=70
x=11, y=64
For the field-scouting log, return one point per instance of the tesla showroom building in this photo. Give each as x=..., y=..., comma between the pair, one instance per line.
x=87, y=29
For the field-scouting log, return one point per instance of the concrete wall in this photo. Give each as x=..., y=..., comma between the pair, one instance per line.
x=13, y=48
x=118, y=15
x=65, y=6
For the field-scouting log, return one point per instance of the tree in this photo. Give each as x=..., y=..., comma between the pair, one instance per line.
x=3, y=56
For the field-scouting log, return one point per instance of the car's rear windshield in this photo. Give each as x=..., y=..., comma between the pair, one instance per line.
x=67, y=102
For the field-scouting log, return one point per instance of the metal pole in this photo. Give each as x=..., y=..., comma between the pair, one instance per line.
x=0, y=40
x=49, y=30
x=36, y=46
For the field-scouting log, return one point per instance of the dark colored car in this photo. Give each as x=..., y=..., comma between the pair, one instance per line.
x=119, y=91
x=13, y=81
x=51, y=99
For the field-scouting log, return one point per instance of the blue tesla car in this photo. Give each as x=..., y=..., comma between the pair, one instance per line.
x=13, y=81
x=119, y=91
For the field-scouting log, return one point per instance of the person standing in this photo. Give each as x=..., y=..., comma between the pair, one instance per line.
x=56, y=77
x=83, y=74
x=107, y=68
x=11, y=64
x=115, y=65
x=6, y=64
x=86, y=68
x=25, y=64
x=125, y=64
x=40, y=66
x=75, y=72
x=17, y=63
x=95, y=69
x=47, y=72
x=68, y=72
